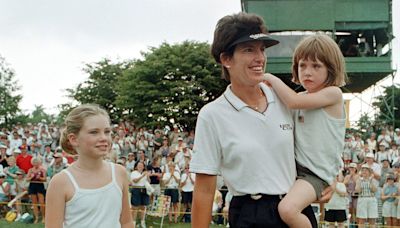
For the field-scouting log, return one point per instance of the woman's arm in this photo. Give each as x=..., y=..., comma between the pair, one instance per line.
x=55, y=201
x=203, y=196
x=135, y=180
x=327, y=96
x=126, y=216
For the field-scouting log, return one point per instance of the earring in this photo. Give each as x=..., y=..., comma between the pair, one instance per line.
x=227, y=66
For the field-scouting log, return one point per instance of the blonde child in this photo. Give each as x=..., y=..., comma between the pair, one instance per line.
x=91, y=192
x=319, y=116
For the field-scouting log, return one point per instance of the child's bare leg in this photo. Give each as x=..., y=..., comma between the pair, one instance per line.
x=299, y=197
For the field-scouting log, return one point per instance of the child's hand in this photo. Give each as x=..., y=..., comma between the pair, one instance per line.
x=326, y=195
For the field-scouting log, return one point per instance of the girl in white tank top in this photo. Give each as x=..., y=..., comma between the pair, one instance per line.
x=90, y=192
x=319, y=66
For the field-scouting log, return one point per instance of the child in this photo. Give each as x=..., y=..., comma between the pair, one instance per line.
x=91, y=192
x=318, y=65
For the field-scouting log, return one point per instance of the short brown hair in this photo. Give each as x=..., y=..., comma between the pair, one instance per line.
x=229, y=29
x=323, y=48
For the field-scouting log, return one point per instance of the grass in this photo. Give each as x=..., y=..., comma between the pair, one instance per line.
x=150, y=222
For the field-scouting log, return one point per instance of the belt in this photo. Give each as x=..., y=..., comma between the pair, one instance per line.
x=258, y=196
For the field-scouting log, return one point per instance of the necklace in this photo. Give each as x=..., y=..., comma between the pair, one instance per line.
x=256, y=106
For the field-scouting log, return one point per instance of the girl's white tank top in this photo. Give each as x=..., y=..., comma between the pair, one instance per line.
x=99, y=208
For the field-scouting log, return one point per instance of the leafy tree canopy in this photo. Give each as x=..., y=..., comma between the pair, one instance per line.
x=9, y=97
x=170, y=84
x=99, y=88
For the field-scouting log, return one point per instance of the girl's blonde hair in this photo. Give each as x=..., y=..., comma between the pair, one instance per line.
x=74, y=123
x=323, y=48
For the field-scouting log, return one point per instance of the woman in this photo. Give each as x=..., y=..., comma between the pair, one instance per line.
x=335, y=209
x=155, y=177
x=388, y=196
x=367, y=205
x=350, y=183
x=139, y=197
x=239, y=133
x=37, y=176
x=171, y=181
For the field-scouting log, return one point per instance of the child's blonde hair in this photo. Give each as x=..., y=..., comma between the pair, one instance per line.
x=74, y=122
x=323, y=48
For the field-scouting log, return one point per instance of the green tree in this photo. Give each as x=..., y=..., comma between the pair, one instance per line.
x=99, y=88
x=39, y=114
x=9, y=99
x=388, y=105
x=170, y=84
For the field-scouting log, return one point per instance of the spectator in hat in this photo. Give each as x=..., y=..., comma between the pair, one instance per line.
x=384, y=138
x=382, y=154
x=367, y=205
x=130, y=163
x=396, y=136
x=388, y=195
x=350, y=182
x=386, y=169
x=396, y=171
x=375, y=167
x=24, y=159
x=22, y=186
x=47, y=156
x=57, y=165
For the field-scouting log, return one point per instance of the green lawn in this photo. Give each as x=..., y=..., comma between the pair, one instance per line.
x=151, y=222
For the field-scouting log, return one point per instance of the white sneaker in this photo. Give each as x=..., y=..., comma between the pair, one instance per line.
x=18, y=218
x=143, y=224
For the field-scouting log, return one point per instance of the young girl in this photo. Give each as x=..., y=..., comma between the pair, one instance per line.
x=91, y=192
x=318, y=65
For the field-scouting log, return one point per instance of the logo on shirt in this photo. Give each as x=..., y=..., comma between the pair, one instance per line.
x=286, y=127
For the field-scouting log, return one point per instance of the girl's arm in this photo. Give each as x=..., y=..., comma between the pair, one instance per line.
x=126, y=217
x=55, y=201
x=203, y=197
x=327, y=96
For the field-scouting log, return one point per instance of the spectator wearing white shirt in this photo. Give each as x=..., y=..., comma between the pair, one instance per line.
x=187, y=186
x=171, y=181
x=384, y=139
x=139, y=197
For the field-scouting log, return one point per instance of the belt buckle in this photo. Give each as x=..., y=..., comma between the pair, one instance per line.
x=255, y=196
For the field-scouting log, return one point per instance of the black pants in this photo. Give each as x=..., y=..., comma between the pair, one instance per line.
x=245, y=212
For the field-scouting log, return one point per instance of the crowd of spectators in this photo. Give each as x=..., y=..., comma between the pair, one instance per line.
x=157, y=162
